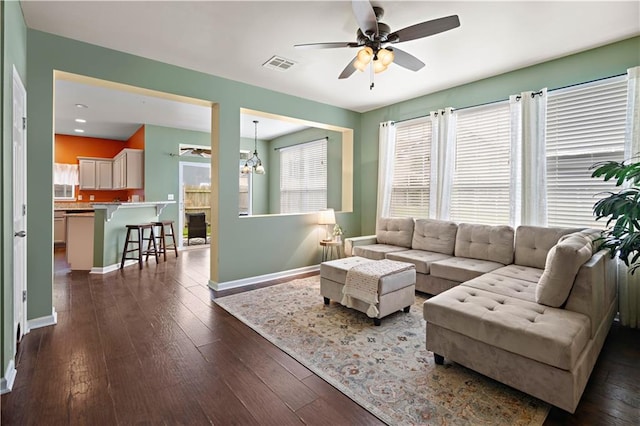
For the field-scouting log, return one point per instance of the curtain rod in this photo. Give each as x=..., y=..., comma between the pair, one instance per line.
x=502, y=100
x=301, y=143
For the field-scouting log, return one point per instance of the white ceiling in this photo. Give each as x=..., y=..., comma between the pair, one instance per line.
x=116, y=114
x=233, y=39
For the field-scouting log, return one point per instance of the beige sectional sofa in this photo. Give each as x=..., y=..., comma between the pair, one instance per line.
x=530, y=308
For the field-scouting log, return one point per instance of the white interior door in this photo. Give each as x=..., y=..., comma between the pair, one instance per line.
x=19, y=150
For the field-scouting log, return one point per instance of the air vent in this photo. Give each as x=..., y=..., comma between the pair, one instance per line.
x=279, y=63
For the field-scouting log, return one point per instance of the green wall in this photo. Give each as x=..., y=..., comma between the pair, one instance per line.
x=294, y=236
x=14, y=53
x=260, y=189
x=161, y=169
x=594, y=64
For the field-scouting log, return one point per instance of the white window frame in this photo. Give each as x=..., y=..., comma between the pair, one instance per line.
x=303, y=177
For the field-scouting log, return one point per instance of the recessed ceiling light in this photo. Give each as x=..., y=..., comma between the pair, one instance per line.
x=80, y=120
x=81, y=106
x=78, y=130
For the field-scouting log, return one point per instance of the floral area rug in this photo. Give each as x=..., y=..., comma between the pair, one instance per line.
x=385, y=369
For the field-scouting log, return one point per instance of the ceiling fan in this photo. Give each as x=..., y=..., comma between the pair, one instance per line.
x=375, y=38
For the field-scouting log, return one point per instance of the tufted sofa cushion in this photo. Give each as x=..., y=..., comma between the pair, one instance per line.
x=563, y=261
x=485, y=242
x=395, y=231
x=534, y=242
x=420, y=258
x=462, y=269
x=376, y=251
x=549, y=335
x=438, y=236
x=506, y=286
x=525, y=273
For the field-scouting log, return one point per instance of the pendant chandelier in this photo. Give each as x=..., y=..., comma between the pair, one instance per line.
x=254, y=163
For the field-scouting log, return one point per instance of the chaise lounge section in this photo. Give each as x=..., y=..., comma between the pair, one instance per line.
x=534, y=317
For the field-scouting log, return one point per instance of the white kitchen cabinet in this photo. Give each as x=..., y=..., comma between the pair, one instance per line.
x=104, y=174
x=95, y=173
x=59, y=227
x=87, y=173
x=128, y=169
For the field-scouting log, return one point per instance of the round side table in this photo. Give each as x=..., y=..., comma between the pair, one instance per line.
x=331, y=249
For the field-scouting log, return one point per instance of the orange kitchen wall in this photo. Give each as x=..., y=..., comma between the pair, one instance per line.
x=136, y=141
x=68, y=148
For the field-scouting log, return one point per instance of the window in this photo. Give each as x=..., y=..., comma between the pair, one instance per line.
x=303, y=177
x=65, y=179
x=481, y=179
x=411, y=169
x=585, y=125
x=244, y=198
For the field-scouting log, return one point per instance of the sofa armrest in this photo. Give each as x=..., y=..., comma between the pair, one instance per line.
x=350, y=243
x=594, y=289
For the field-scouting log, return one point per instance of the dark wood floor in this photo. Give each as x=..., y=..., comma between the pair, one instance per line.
x=150, y=347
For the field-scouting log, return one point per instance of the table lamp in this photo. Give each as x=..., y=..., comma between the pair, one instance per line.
x=327, y=217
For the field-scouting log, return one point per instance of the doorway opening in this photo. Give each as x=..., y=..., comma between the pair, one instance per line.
x=194, y=211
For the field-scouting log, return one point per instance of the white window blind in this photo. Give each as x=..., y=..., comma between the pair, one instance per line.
x=303, y=177
x=585, y=125
x=481, y=180
x=411, y=169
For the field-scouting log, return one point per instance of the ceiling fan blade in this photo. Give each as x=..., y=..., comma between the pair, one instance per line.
x=331, y=45
x=348, y=70
x=406, y=60
x=365, y=17
x=425, y=29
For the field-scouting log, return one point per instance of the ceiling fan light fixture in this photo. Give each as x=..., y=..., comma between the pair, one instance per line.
x=385, y=56
x=378, y=66
x=365, y=55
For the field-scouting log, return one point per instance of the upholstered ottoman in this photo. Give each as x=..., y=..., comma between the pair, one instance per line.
x=396, y=290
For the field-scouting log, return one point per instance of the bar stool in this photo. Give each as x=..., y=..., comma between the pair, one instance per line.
x=163, y=235
x=138, y=243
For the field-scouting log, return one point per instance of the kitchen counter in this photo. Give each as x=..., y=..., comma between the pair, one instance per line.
x=112, y=207
x=80, y=237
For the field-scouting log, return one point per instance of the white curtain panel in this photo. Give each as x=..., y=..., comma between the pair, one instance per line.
x=443, y=161
x=65, y=174
x=629, y=285
x=529, y=186
x=386, y=148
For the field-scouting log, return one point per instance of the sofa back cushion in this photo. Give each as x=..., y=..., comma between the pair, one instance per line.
x=563, y=261
x=395, y=231
x=485, y=242
x=534, y=242
x=438, y=236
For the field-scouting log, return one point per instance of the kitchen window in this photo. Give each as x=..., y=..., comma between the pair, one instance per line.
x=65, y=179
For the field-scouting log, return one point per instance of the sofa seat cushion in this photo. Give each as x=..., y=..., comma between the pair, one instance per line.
x=506, y=286
x=461, y=268
x=552, y=336
x=525, y=273
x=420, y=258
x=376, y=251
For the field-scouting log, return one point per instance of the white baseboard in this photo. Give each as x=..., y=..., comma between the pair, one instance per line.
x=6, y=383
x=42, y=321
x=100, y=270
x=261, y=278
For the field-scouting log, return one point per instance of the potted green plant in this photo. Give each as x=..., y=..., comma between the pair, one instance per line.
x=622, y=234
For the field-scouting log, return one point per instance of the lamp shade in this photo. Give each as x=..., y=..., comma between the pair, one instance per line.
x=326, y=217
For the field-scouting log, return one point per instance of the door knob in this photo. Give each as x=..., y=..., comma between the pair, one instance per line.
x=20, y=234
